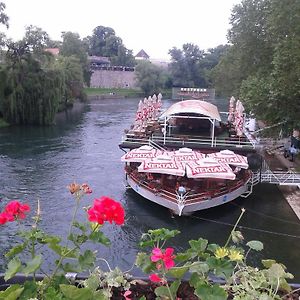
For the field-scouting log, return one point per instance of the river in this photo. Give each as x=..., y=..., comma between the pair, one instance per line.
x=40, y=162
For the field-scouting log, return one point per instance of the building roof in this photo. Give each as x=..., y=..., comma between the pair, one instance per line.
x=53, y=51
x=142, y=54
x=194, y=107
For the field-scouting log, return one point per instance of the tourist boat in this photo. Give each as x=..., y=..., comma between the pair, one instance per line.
x=188, y=158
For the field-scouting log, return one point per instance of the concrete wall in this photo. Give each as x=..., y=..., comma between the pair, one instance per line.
x=113, y=79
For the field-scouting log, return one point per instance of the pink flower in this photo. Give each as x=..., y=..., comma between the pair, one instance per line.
x=16, y=209
x=167, y=257
x=127, y=293
x=155, y=278
x=106, y=209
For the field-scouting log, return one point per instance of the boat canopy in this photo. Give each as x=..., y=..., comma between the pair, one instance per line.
x=193, y=106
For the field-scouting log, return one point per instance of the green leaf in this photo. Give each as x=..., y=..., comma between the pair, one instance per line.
x=199, y=267
x=52, y=294
x=99, y=295
x=80, y=226
x=30, y=290
x=99, y=237
x=63, y=251
x=212, y=247
x=15, y=250
x=267, y=263
x=255, y=245
x=207, y=292
x=87, y=260
x=143, y=261
x=78, y=239
x=221, y=267
x=73, y=293
x=162, y=291
x=68, y=267
x=196, y=280
x=174, y=287
x=178, y=272
x=13, y=267
x=32, y=265
x=12, y=292
x=198, y=245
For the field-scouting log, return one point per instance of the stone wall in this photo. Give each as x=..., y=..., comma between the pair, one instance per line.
x=113, y=79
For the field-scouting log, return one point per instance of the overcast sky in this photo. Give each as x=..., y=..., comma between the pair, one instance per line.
x=155, y=26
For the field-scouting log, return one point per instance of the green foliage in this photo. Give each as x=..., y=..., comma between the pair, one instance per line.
x=150, y=78
x=262, y=65
x=104, y=42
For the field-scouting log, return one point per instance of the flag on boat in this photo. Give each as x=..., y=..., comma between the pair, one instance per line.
x=162, y=164
x=209, y=168
x=230, y=158
x=140, y=154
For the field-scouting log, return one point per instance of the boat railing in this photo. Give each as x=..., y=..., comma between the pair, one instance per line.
x=204, y=142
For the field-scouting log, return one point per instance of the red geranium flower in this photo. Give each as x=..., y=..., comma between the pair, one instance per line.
x=5, y=217
x=16, y=209
x=167, y=257
x=106, y=209
x=155, y=278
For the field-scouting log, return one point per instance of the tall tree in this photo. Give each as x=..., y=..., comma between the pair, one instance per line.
x=150, y=78
x=104, y=42
x=185, y=66
x=31, y=94
x=72, y=45
x=36, y=38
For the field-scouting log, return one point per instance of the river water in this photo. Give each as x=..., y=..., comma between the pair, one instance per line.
x=39, y=163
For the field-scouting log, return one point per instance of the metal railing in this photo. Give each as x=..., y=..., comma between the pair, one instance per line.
x=183, y=141
x=289, y=177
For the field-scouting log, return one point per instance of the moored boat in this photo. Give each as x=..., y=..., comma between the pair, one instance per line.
x=187, y=158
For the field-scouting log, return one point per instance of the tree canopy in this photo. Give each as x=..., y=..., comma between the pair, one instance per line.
x=262, y=65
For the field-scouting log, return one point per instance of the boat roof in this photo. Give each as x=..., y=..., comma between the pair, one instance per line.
x=195, y=107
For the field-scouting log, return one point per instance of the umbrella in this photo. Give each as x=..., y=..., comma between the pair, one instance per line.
x=230, y=158
x=209, y=168
x=140, y=154
x=186, y=154
x=162, y=164
x=239, y=118
x=231, y=109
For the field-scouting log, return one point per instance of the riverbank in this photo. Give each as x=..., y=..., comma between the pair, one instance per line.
x=277, y=161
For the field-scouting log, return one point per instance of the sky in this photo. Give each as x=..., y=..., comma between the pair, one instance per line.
x=155, y=26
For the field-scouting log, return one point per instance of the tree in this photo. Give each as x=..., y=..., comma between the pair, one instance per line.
x=104, y=42
x=71, y=69
x=150, y=78
x=3, y=16
x=98, y=41
x=72, y=45
x=30, y=94
x=36, y=38
x=262, y=65
x=186, y=66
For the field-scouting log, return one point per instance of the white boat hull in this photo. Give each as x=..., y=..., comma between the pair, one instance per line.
x=186, y=209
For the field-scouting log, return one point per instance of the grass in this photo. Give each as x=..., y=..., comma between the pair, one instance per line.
x=127, y=93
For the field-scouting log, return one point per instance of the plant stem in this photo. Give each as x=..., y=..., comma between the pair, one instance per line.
x=234, y=227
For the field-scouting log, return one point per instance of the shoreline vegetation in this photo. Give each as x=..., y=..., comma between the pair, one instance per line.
x=112, y=93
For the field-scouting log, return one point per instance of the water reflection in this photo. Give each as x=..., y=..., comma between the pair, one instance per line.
x=38, y=163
